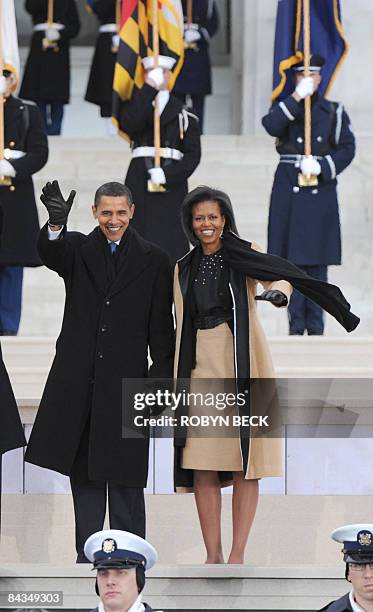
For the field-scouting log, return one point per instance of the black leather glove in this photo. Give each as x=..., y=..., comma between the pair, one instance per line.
x=54, y=202
x=276, y=297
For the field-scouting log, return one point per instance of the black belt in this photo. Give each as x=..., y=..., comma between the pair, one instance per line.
x=208, y=322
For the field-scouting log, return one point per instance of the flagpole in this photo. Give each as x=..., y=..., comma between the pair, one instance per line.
x=189, y=12
x=157, y=119
x=308, y=180
x=2, y=100
x=50, y=14
x=50, y=44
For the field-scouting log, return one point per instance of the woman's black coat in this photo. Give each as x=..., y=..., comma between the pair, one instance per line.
x=107, y=328
x=47, y=73
x=11, y=431
x=25, y=131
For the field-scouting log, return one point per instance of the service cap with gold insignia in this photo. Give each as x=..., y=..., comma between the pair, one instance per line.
x=112, y=548
x=357, y=542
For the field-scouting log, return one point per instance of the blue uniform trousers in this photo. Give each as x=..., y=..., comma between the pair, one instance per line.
x=304, y=314
x=52, y=113
x=11, y=278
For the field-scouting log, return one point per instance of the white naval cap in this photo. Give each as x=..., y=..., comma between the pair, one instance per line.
x=357, y=540
x=115, y=548
x=164, y=61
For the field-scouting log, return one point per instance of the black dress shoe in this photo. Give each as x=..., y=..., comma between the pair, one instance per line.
x=313, y=332
x=7, y=332
x=293, y=332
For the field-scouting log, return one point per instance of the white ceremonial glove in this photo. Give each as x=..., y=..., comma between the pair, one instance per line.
x=3, y=86
x=157, y=76
x=310, y=165
x=305, y=87
x=157, y=176
x=191, y=36
x=52, y=34
x=6, y=168
x=115, y=40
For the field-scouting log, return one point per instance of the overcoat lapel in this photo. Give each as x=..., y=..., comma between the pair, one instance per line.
x=94, y=258
x=134, y=262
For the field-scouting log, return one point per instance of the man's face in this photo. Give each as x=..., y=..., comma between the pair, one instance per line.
x=10, y=82
x=113, y=214
x=117, y=588
x=361, y=577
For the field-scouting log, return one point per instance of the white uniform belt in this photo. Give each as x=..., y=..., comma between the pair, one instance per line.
x=166, y=153
x=294, y=158
x=13, y=154
x=108, y=27
x=40, y=27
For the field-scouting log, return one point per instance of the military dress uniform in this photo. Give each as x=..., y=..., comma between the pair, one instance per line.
x=194, y=80
x=304, y=224
x=157, y=214
x=357, y=551
x=46, y=78
x=26, y=149
x=100, y=82
x=116, y=549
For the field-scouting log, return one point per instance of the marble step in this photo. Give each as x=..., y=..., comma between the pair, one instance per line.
x=191, y=587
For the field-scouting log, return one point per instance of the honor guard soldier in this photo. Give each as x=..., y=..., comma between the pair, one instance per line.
x=100, y=83
x=25, y=152
x=357, y=551
x=157, y=216
x=304, y=224
x=121, y=560
x=46, y=78
x=201, y=22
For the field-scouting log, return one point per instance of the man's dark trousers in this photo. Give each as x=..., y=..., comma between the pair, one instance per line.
x=304, y=314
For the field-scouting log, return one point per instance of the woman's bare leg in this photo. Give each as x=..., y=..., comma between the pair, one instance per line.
x=244, y=504
x=208, y=500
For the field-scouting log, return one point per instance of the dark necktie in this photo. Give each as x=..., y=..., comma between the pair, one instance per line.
x=113, y=247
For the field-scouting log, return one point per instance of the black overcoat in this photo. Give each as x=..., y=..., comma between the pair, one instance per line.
x=304, y=224
x=100, y=82
x=147, y=608
x=106, y=331
x=157, y=215
x=340, y=605
x=47, y=73
x=24, y=131
x=11, y=430
x=195, y=75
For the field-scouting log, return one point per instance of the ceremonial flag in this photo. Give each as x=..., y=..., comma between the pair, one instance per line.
x=136, y=42
x=9, y=51
x=327, y=39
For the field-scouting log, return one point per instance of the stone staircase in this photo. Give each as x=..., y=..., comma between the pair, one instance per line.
x=241, y=165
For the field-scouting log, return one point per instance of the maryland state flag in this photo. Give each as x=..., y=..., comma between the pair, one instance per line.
x=9, y=51
x=136, y=42
x=327, y=39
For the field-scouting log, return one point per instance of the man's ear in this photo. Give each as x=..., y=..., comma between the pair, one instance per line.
x=94, y=211
x=132, y=209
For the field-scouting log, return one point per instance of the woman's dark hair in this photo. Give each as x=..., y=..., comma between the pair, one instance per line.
x=204, y=194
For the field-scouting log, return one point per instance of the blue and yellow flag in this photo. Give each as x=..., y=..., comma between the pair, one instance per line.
x=327, y=39
x=136, y=42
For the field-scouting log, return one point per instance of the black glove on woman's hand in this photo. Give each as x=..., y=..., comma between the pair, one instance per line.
x=276, y=297
x=54, y=202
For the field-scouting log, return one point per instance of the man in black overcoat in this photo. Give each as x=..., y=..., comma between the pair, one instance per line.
x=46, y=78
x=118, y=305
x=194, y=81
x=357, y=540
x=304, y=225
x=26, y=152
x=100, y=82
x=121, y=560
x=158, y=213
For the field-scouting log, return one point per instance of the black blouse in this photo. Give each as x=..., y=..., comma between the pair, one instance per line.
x=211, y=292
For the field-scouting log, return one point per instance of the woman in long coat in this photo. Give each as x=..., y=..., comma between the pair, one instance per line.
x=220, y=337
x=46, y=79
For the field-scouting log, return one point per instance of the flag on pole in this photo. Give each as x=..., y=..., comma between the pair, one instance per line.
x=327, y=39
x=136, y=42
x=10, y=52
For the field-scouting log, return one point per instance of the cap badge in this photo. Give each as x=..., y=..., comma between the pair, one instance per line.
x=364, y=538
x=109, y=545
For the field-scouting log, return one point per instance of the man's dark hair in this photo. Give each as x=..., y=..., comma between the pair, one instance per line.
x=204, y=194
x=114, y=189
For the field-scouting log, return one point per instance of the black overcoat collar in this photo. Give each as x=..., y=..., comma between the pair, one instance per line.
x=134, y=261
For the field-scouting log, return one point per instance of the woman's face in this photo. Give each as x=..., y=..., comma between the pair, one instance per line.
x=208, y=224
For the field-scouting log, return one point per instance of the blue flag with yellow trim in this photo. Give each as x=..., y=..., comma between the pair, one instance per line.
x=327, y=39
